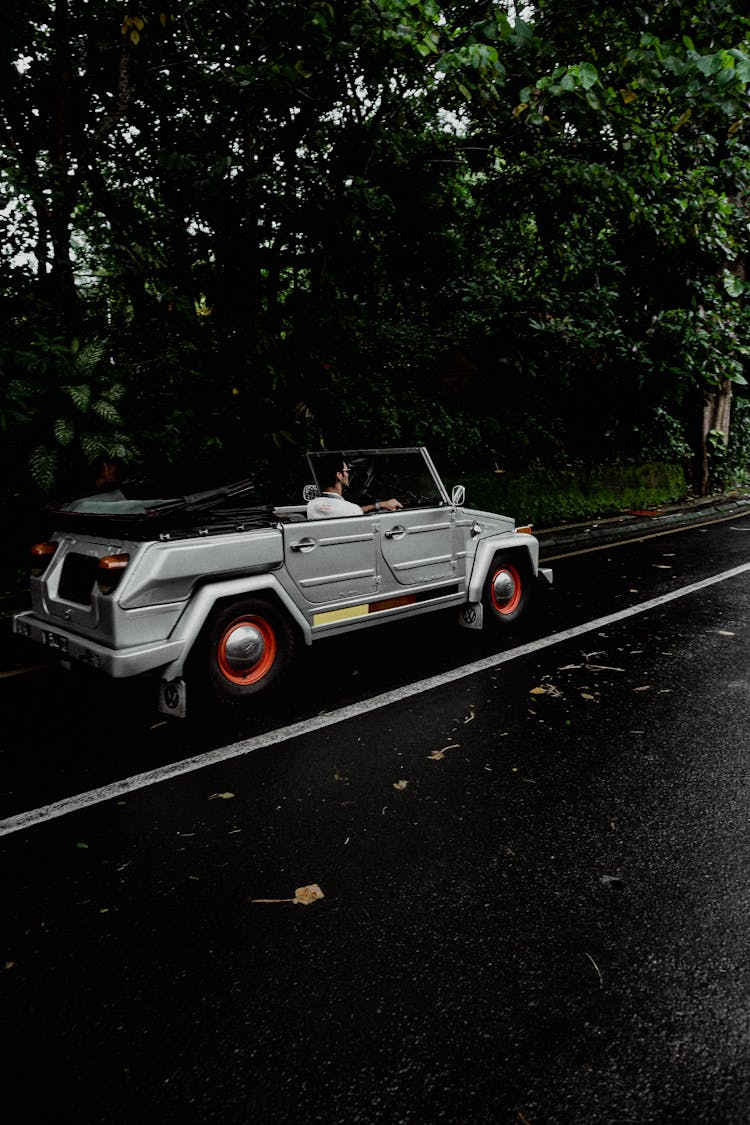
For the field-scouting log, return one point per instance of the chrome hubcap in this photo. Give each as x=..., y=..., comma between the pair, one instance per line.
x=244, y=648
x=503, y=586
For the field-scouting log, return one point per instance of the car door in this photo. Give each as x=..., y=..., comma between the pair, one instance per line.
x=419, y=546
x=332, y=560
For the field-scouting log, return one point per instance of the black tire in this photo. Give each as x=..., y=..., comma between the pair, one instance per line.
x=507, y=590
x=245, y=650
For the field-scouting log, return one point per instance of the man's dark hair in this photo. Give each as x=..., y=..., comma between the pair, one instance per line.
x=328, y=464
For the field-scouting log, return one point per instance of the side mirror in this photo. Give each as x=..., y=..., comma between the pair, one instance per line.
x=458, y=495
x=310, y=491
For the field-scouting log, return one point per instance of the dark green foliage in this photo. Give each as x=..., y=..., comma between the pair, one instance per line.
x=235, y=232
x=550, y=496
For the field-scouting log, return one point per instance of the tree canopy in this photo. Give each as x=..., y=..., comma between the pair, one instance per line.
x=516, y=233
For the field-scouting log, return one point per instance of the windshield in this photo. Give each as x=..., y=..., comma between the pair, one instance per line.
x=404, y=474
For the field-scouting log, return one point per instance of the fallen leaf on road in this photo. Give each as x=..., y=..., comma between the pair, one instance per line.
x=724, y=633
x=306, y=895
x=438, y=755
x=470, y=716
x=662, y=566
x=303, y=896
x=546, y=689
x=400, y=784
x=224, y=796
x=645, y=687
x=587, y=695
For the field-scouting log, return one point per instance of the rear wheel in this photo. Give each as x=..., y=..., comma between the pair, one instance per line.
x=246, y=649
x=507, y=589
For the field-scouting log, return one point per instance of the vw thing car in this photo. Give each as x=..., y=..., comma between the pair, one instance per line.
x=212, y=592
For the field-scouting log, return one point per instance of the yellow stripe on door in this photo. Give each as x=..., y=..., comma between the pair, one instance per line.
x=340, y=614
x=361, y=610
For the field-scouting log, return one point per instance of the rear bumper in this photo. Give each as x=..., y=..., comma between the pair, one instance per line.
x=117, y=663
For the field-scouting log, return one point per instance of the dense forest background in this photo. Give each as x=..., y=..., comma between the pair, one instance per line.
x=517, y=233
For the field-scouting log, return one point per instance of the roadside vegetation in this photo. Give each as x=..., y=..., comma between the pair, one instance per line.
x=515, y=233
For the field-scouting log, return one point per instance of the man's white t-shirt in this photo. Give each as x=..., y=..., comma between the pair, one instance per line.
x=329, y=505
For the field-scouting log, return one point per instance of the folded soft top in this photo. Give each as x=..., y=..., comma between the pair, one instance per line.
x=111, y=512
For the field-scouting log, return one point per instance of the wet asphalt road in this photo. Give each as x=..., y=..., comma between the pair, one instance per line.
x=548, y=923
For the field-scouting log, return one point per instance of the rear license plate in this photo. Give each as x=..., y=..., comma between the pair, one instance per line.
x=55, y=641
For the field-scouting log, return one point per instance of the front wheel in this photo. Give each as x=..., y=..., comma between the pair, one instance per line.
x=507, y=589
x=246, y=649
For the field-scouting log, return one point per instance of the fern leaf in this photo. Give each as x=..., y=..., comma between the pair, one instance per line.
x=107, y=411
x=123, y=449
x=94, y=446
x=42, y=464
x=64, y=431
x=80, y=395
x=90, y=356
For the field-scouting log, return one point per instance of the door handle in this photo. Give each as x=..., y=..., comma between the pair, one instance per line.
x=395, y=532
x=303, y=545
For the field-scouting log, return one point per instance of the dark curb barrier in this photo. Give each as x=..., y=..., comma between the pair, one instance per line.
x=637, y=524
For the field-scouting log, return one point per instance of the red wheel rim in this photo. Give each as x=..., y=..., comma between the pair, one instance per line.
x=244, y=634
x=510, y=604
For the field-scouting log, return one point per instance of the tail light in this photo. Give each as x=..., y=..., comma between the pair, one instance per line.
x=41, y=556
x=110, y=571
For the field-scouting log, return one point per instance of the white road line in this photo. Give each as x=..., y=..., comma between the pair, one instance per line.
x=353, y=711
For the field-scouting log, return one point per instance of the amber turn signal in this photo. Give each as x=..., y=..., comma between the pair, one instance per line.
x=110, y=571
x=41, y=553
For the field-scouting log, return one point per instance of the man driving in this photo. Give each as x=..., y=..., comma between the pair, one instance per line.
x=333, y=476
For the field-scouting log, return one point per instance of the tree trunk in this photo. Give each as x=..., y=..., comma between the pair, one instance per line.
x=717, y=410
x=62, y=277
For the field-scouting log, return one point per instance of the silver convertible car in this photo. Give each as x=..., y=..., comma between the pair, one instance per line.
x=212, y=592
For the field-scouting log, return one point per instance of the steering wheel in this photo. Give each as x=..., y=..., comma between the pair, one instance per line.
x=416, y=500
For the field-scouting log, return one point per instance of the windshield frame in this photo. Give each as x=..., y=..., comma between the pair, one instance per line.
x=423, y=462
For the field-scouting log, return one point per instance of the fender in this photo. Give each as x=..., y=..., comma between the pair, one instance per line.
x=205, y=598
x=512, y=541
